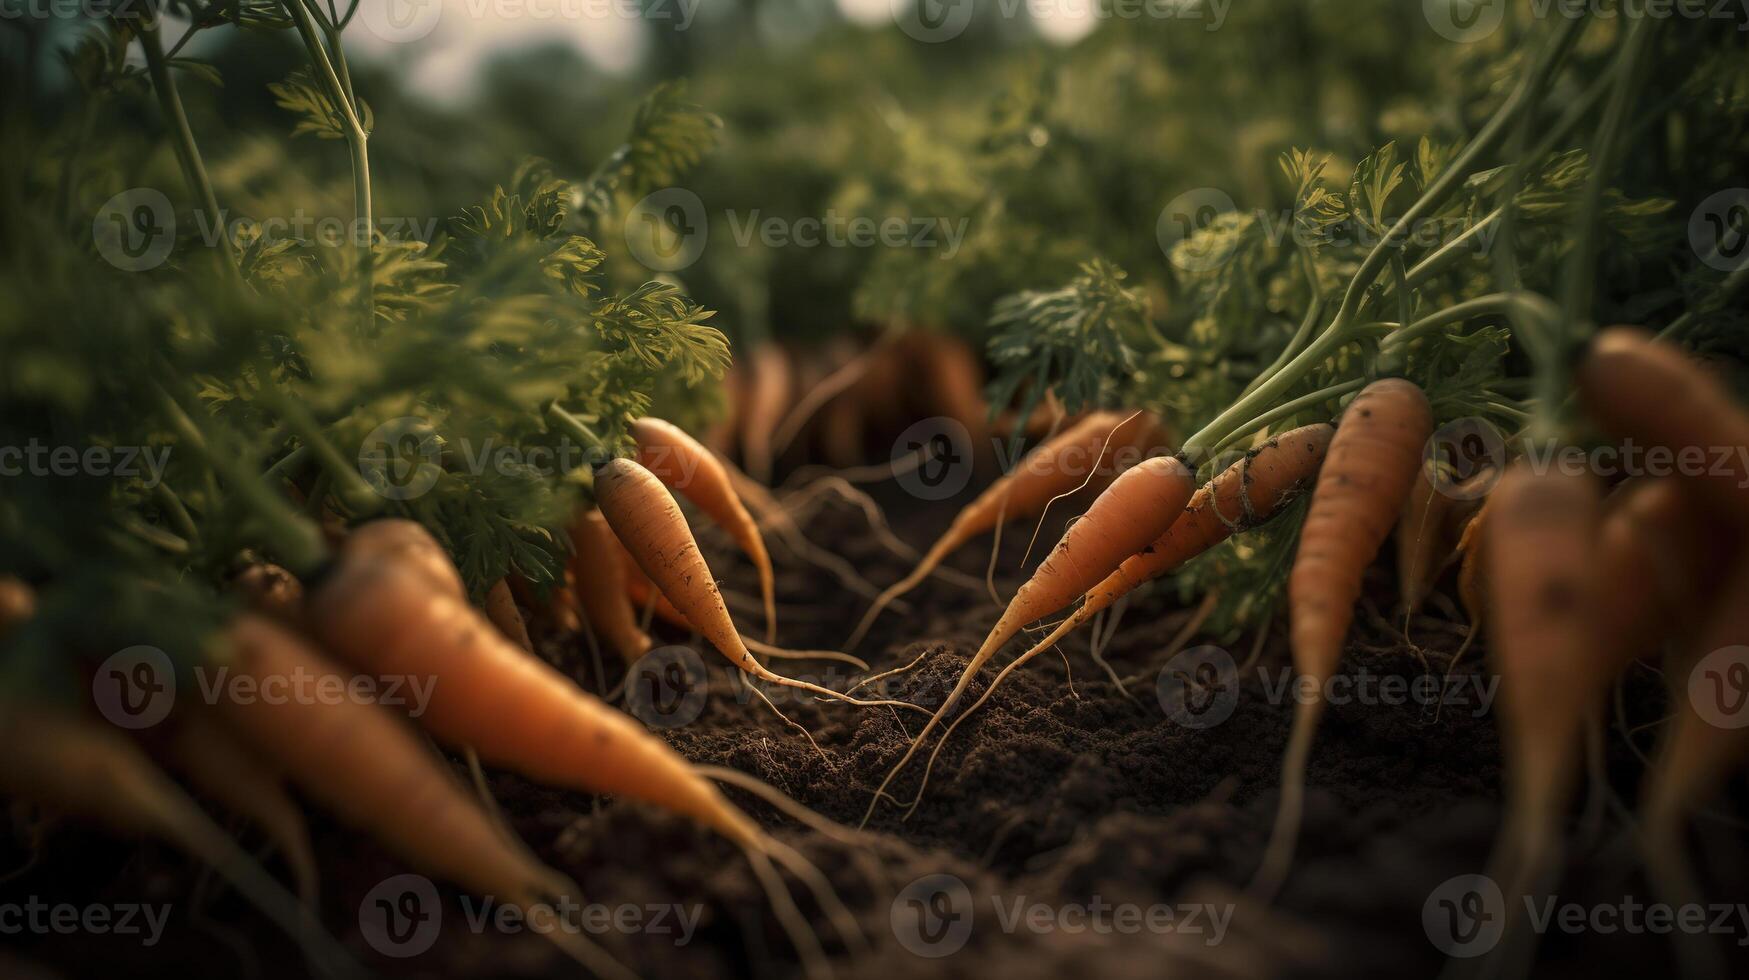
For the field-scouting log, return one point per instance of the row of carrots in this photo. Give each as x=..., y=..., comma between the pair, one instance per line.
x=1553, y=568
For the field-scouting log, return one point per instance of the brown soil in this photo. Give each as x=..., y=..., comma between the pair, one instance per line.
x=1064, y=793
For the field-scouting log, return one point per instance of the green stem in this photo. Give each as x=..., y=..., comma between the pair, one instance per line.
x=187, y=152
x=1730, y=287
x=572, y=426
x=157, y=537
x=295, y=540
x=1452, y=251
x=340, y=95
x=1301, y=336
x=178, y=514
x=1290, y=409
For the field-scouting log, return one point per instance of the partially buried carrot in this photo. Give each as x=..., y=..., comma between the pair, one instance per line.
x=87, y=770
x=1050, y=470
x=501, y=610
x=273, y=592
x=1543, y=632
x=1137, y=508
x=695, y=472
x=516, y=711
x=645, y=518
x=1245, y=495
x=1360, y=491
x=601, y=586
x=409, y=543
x=1433, y=520
x=372, y=771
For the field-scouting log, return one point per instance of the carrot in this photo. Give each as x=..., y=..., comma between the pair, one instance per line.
x=273, y=592
x=208, y=754
x=952, y=377
x=408, y=541
x=1637, y=387
x=1653, y=563
x=371, y=770
x=87, y=770
x=1055, y=467
x=1697, y=755
x=501, y=610
x=1137, y=508
x=768, y=395
x=1544, y=639
x=1428, y=531
x=645, y=518
x=1245, y=495
x=602, y=587
x=517, y=711
x=683, y=465
x=1366, y=476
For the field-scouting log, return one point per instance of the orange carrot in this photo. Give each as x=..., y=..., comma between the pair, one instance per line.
x=1704, y=745
x=1543, y=633
x=17, y=603
x=952, y=377
x=1048, y=471
x=1637, y=387
x=1245, y=495
x=1366, y=476
x=645, y=518
x=602, y=587
x=516, y=711
x=408, y=541
x=1655, y=563
x=501, y=610
x=1433, y=521
x=689, y=468
x=90, y=771
x=372, y=771
x=207, y=753
x=1137, y=508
